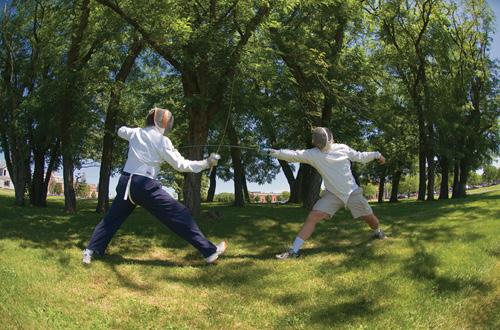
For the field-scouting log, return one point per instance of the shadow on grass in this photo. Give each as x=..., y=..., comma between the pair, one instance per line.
x=255, y=227
x=265, y=229
x=423, y=267
x=117, y=259
x=343, y=313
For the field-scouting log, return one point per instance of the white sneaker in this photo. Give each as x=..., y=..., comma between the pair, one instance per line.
x=221, y=248
x=87, y=256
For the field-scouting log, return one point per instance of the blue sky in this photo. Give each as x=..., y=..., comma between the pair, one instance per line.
x=280, y=183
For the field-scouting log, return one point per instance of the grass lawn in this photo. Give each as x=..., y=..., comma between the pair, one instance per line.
x=439, y=269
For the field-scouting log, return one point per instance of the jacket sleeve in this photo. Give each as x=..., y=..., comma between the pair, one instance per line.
x=181, y=164
x=126, y=132
x=295, y=156
x=362, y=157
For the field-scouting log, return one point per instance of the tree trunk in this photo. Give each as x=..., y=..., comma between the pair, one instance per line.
x=197, y=135
x=21, y=170
x=290, y=178
x=311, y=187
x=74, y=64
x=464, y=176
x=41, y=177
x=396, y=177
x=296, y=191
x=238, y=170
x=21, y=179
x=381, y=188
x=443, y=190
x=246, y=194
x=20, y=189
x=421, y=160
x=430, y=176
x=105, y=173
x=38, y=180
x=213, y=184
x=69, y=184
x=456, y=179
x=110, y=126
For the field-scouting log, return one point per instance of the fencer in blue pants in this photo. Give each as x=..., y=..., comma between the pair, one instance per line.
x=147, y=149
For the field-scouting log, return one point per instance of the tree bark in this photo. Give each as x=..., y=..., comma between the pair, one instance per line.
x=422, y=177
x=111, y=123
x=290, y=178
x=21, y=179
x=464, y=176
x=213, y=184
x=297, y=186
x=456, y=179
x=246, y=194
x=69, y=183
x=443, y=190
x=41, y=177
x=311, y=187
x=381, y=188
x=238, y=170
x=197, y=135
x=430, y=177
x=396, y=178
x=38, y=179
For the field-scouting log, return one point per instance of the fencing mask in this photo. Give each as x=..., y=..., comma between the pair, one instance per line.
x=163, y=119
x=321, y=137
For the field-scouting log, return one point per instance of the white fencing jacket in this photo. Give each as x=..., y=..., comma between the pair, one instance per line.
x=333, y=165
x=149, y=148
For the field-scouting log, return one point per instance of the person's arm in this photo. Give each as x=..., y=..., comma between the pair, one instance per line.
x=292, y=156
x=364, y=157
x=181, y=164
x=126, y=132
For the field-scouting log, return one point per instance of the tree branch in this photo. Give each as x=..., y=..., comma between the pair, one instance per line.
x=235, y=55
x=164, y=51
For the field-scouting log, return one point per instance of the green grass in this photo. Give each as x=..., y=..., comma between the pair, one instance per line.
x=440, y=269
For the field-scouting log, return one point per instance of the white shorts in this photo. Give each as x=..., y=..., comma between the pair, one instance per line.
x=357, y=204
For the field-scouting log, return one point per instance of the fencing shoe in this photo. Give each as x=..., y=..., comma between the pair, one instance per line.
x=290, y=254
x=87, y=256
x=221, y=248
x=379, y=234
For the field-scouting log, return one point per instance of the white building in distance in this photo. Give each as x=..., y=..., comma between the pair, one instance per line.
x=5, y=180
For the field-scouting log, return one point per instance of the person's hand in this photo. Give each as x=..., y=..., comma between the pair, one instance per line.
x=381, y=160
x=213, y=159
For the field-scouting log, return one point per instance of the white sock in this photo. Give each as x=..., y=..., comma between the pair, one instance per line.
x=297, y=244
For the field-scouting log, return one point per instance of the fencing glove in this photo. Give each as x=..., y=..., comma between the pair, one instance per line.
x=213, y=159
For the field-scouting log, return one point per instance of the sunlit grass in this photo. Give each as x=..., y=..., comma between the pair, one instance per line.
x=439, y=269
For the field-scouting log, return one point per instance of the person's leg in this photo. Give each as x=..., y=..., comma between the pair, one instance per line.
x=324, y=208
x=359, y=207
x=372, y=221
x=106, y=229
x=309, y=225
x=313, y=218
x=117, y=214
x=174, y=215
